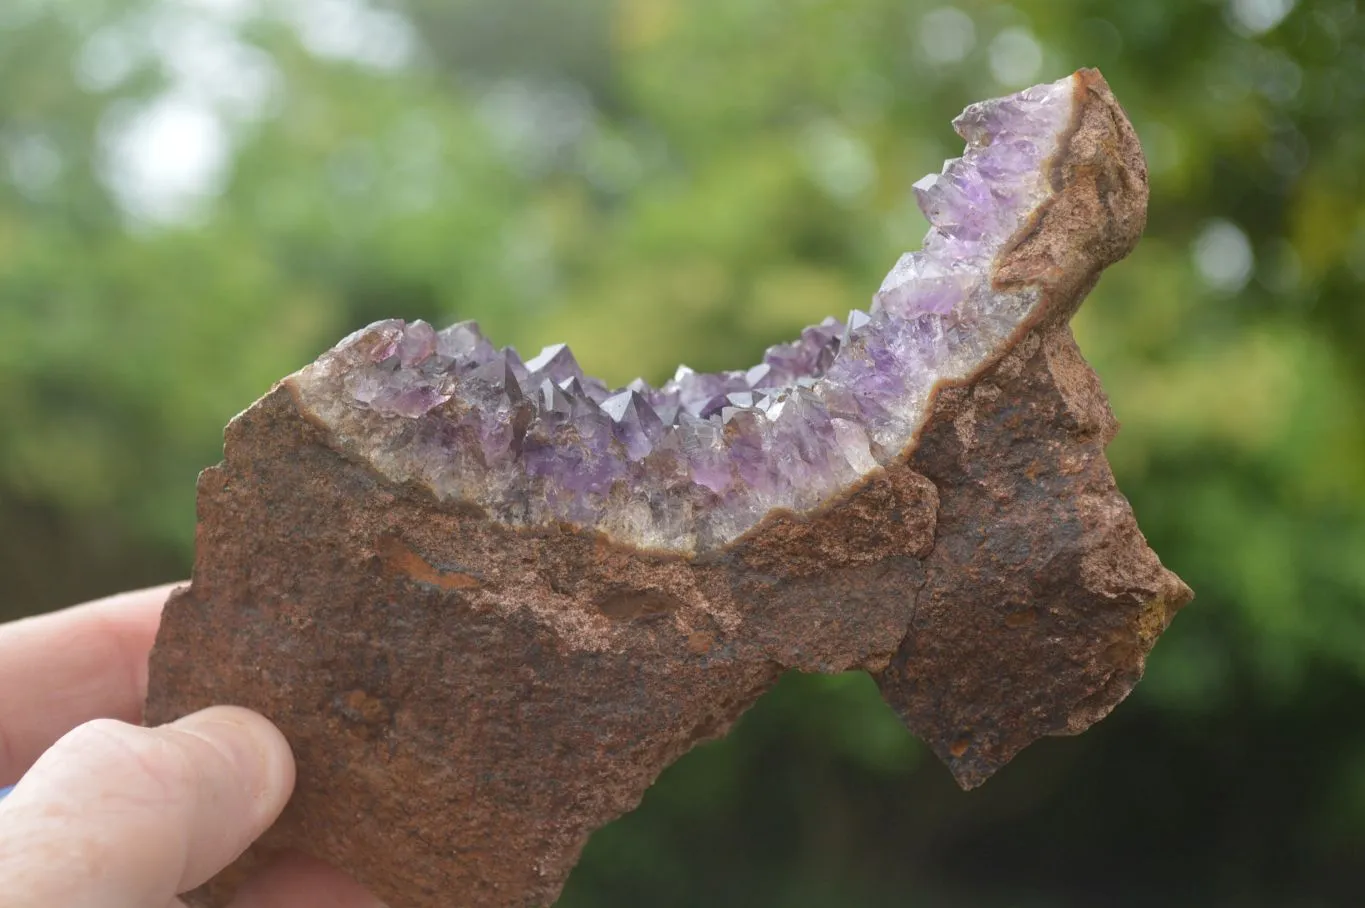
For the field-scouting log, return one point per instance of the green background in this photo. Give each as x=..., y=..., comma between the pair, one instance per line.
x=199, y=196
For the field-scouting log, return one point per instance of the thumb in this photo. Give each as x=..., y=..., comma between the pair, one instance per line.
x=118, y=816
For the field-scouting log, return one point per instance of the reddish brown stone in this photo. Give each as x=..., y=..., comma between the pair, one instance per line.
x=468, y=702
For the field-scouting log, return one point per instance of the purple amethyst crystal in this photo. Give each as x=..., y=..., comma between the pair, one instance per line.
x=464, y=344
x=556, y=363
x=417, y=346
x=637, y=425
x=697, y=462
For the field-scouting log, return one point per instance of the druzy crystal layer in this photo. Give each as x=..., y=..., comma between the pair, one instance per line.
x=692, y=465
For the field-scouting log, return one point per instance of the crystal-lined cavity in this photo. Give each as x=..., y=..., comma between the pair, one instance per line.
x=693, y=464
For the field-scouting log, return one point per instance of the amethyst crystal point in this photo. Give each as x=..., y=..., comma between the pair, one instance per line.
x=463, y=343
x=582, y=402
x=556, y=363
x=919, y=284
x=703, y=394
x=417, y=345
x=865, y=386
x=553, y=400
x=637, y=425
x=495, y=380
x=703, y=445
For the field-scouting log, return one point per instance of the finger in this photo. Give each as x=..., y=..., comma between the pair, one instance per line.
x=118, y=816
x=297, y=880
x=82, y=663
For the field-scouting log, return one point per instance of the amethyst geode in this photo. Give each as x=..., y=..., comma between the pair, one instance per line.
x=489, y=600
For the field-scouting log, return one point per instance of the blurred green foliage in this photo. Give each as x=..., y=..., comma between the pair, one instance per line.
x=198, y=196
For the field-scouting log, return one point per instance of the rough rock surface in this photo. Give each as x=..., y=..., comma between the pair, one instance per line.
x=468, y=701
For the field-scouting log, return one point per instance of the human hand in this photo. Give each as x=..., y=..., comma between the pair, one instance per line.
x=112, y=815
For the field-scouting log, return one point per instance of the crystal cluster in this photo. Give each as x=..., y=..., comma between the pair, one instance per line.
x=693, y=464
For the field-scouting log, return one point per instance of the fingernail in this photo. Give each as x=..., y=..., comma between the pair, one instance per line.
x=233, y=738
x=239, y=736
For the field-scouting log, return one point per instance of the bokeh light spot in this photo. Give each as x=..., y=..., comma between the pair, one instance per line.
x=1223, y=256
x=947, y=35
x=34, y=162
x=106, y=59
x=352, y=30
x=1016, y=57
x=1257, y=17
x=839, y=161
x=165, y=160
